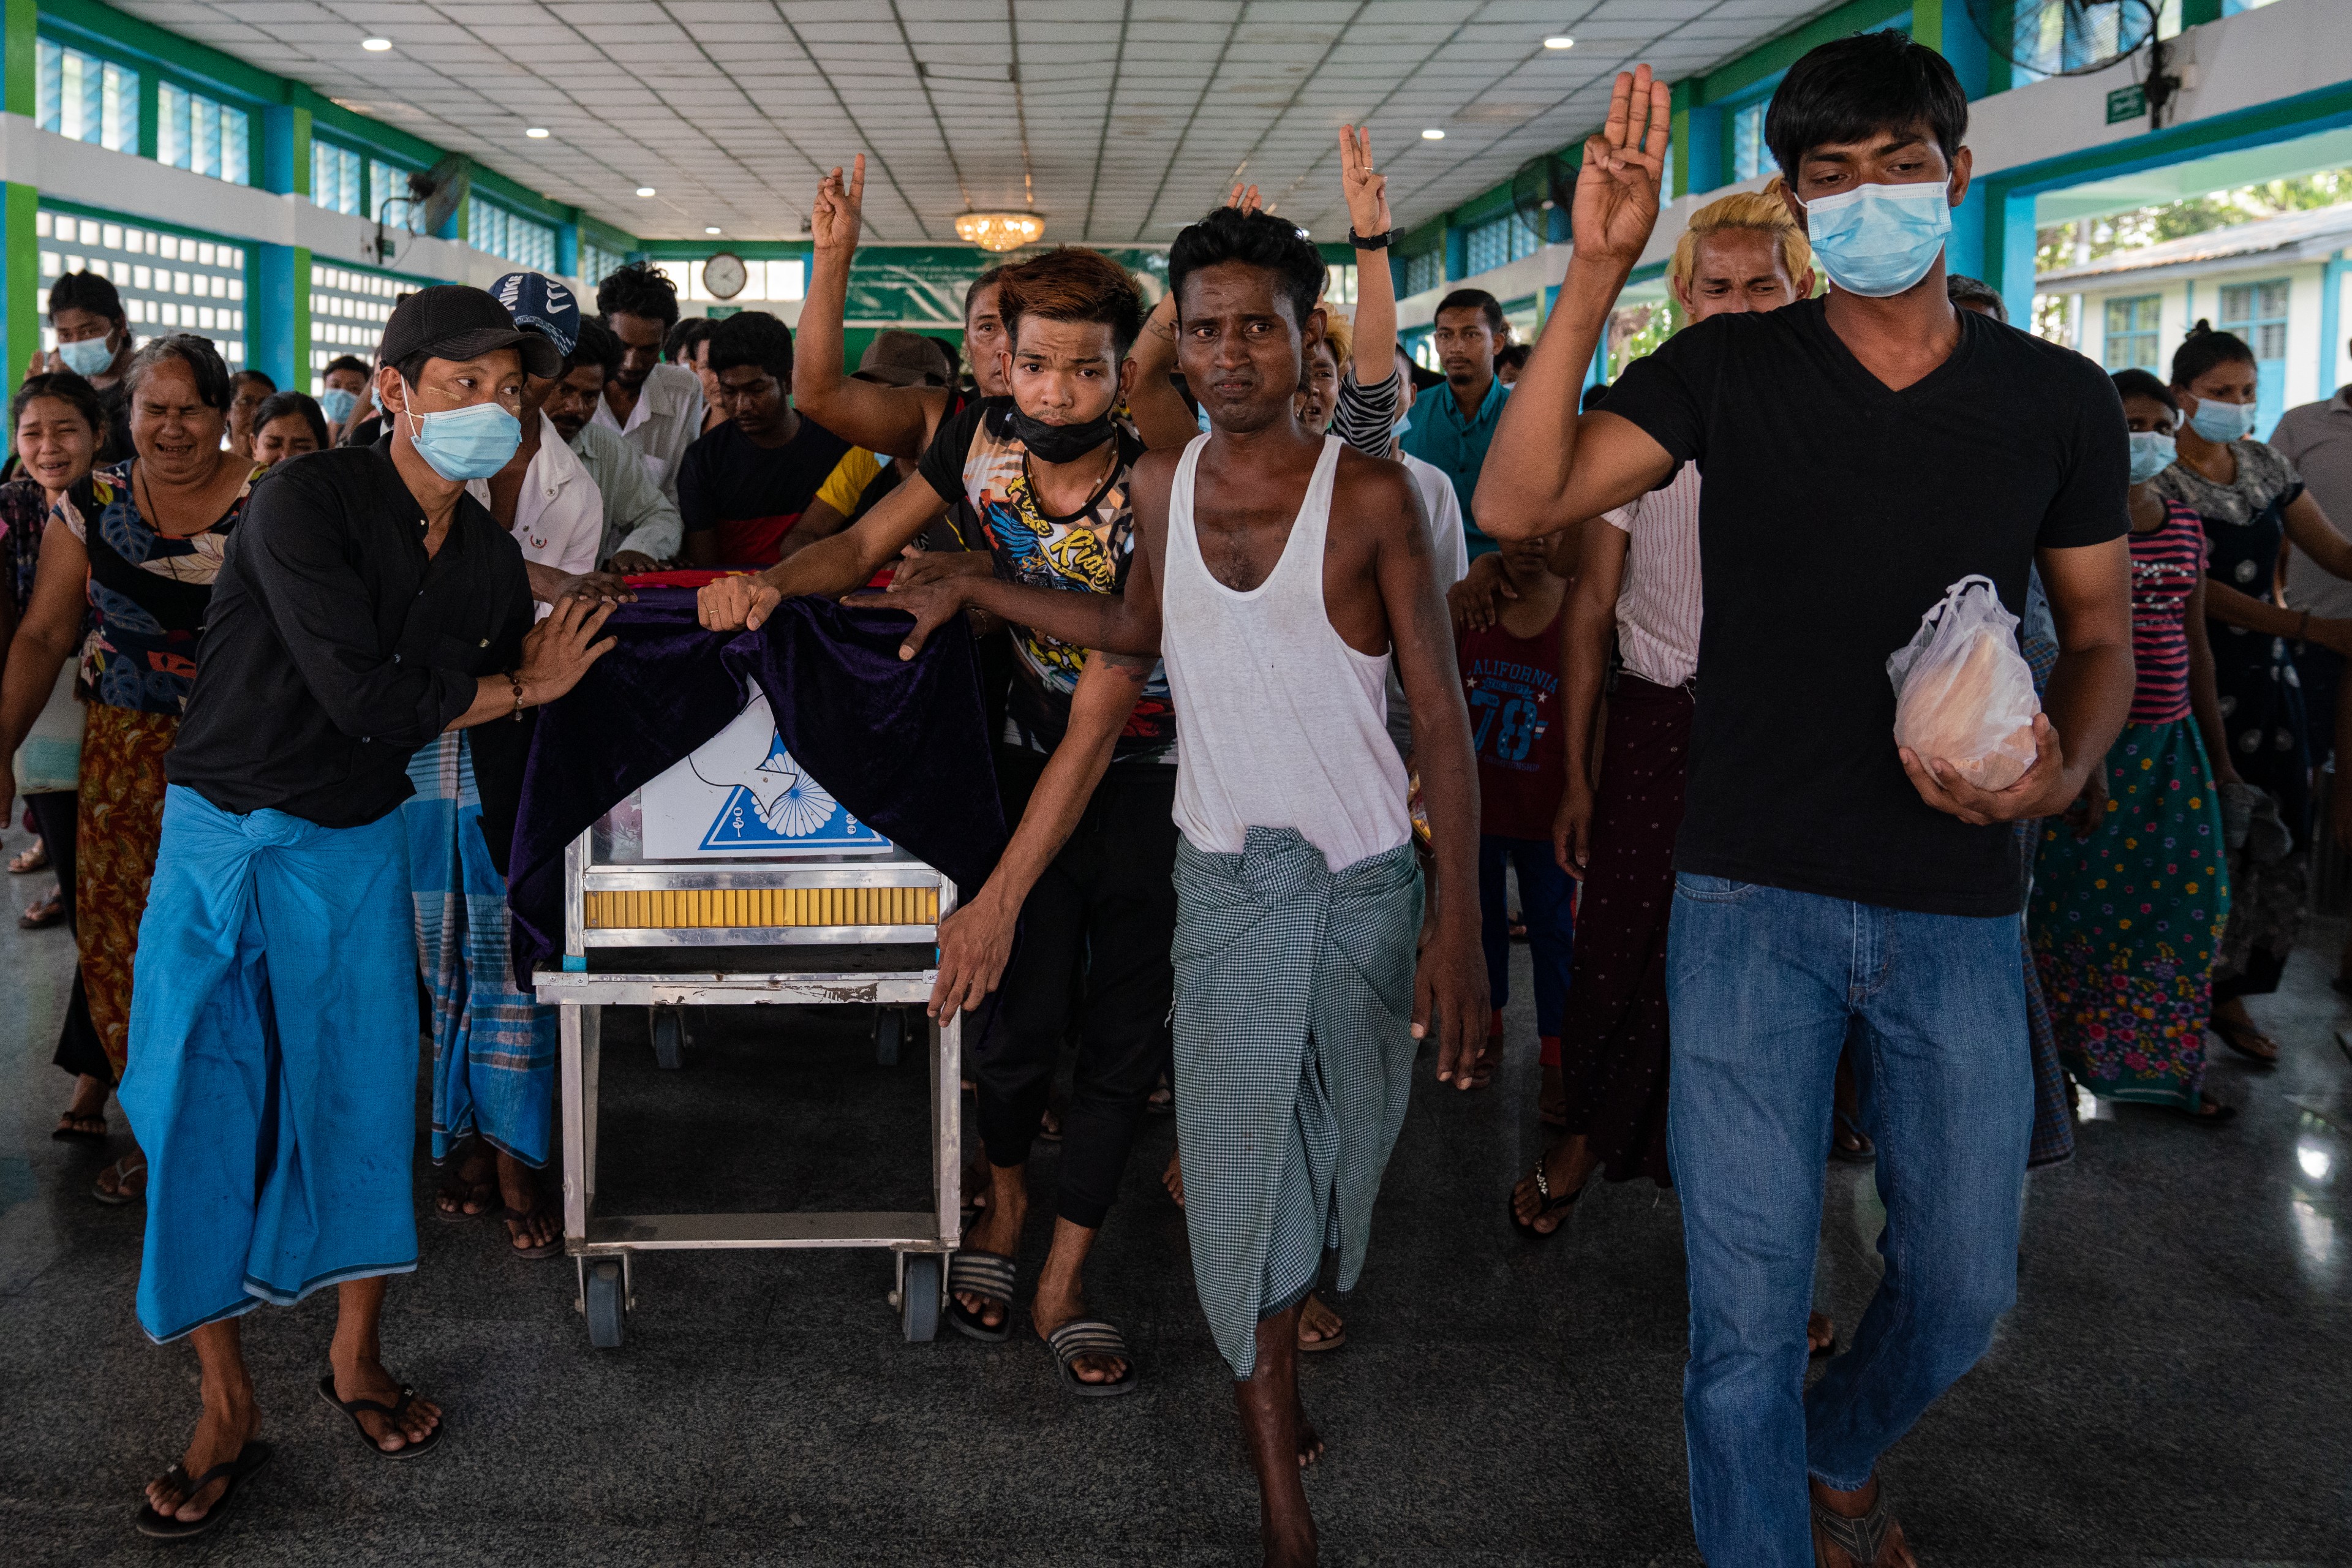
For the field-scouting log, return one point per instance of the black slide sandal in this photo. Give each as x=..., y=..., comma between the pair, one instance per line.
x=988, y=1274
x=354, y=1409
x=164, y=1527
x=1091, y=1337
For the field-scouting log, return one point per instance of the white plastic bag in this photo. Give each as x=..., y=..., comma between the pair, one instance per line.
x=1963, y=694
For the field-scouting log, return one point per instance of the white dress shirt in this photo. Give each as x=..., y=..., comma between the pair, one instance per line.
x=666, y=420
x=559, y=517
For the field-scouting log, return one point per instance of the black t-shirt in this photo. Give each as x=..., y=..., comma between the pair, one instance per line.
x=1833, y=514
x=977, y=460
x=751, y=495
x=335, y=648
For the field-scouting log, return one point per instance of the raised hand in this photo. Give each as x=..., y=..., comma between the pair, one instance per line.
x=833, y=220
x=1617, y=190
x=1245, y=197
x=1367, y=189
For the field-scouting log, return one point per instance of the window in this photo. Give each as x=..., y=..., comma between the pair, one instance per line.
x=169, y=282
x=388, y=199
x=1498, y=242
x=84, y=98
x=596, y=263
x=769, y=281
x=1340, y=284
x=2043, y=44
x=511, y=236
x=1425, y=272
x=195, y=132
x=348, y=310
x=335, y=177
x=2131, y=333
x=2257, y=312
x=1422, y=348
x=1749, y=156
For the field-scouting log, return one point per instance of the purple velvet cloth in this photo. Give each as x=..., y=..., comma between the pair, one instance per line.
x=902, y=744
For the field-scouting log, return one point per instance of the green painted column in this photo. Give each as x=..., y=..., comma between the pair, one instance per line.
x=278, y=314
x=20, y=275
x=2194, y=13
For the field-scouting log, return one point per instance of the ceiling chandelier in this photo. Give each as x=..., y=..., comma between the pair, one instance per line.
x=1000, y=231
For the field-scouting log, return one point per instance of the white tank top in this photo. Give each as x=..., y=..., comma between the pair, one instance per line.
x=1279, y=723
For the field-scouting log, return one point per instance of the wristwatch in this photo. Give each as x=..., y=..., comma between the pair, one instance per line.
x=1370, y=241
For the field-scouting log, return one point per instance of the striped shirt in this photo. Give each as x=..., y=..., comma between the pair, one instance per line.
x=1365, y=416
x=2166, y=562
x=1658, y=605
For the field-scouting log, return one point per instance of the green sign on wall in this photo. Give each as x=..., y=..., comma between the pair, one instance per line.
x=2127, y=103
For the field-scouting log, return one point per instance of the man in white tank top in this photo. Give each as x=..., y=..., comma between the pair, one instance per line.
x=1282, y=568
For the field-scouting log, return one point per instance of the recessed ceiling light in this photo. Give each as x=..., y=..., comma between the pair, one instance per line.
x=375, y=45
x=1559, y=41
x=1433, y=135
x=645, y=189
x=537, y=133
x=711, y=229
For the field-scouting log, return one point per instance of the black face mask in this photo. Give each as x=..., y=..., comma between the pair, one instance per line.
x=1059, y=443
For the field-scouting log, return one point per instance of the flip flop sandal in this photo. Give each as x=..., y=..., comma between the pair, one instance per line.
x=120, y=1196
x=524, y=1216
x=1317, y=1347
x=355, y=1407
x=1091, y=1337
x=1551, y=1205
x=1865, y=1151
x=985, y=1274
x=68, y=1135
x=484, y=1192
x=2220, y=1115
x=2231, y=1034
x=41, y=916
x=25, y=862
x=1859, y=1539
x=164, y=1527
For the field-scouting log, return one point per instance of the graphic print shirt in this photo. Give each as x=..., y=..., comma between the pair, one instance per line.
x=976, y=458
x=1512, y=685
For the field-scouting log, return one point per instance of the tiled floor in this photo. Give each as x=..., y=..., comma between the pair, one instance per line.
x=2171, y=1389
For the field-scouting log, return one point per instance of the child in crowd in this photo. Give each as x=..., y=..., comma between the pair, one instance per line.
x=1510, y=676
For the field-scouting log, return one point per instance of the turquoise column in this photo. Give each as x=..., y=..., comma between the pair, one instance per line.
x=277, y=313
x=2331, y=323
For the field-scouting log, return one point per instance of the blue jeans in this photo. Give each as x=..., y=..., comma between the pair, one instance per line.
x=1546, y=898
x=1762, y=984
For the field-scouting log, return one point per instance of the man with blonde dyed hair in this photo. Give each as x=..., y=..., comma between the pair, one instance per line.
x=1637, y=581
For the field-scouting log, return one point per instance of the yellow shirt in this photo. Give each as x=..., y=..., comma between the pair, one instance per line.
x=848, y=480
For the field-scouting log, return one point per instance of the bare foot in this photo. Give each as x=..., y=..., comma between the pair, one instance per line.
x=229, y=1422
x=366, y=1378
x=1893, y=1551
x=998, y=1229
x=1310, y=1441
x=1567, y=1168
x=1551, y=1096
x=469, y=1190
x=1318, y=1323
x=1820, y=1332
x=2240, y=1032
x=1172, y=1178
x=519, y=1191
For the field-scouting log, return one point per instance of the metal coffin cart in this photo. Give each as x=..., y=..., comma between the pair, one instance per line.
x=734, y=879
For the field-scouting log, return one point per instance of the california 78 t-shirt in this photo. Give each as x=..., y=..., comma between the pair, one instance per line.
x=1834, y=513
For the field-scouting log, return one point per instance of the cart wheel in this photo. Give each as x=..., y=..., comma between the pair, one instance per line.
x=605, y=1305
x=918, y=1297
x=670, y=1036
x=889, y=1029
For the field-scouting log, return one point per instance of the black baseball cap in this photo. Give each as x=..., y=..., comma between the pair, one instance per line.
x=451, y=320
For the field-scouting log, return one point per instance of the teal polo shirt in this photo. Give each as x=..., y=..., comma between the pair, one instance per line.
x=1441, y=437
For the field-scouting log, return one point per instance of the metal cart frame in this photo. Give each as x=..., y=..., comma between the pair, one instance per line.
x=817, y=897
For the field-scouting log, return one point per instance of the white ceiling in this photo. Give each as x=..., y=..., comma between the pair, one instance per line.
x=1118, y=119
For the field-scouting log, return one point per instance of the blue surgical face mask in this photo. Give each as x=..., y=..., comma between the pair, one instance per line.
x=469, y=443
x=1878, y=241
x=2151, y=453
x=337, y=402
x=89, y=356
x=2222, y=422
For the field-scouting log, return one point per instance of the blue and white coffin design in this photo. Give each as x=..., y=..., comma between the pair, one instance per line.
x=740, y=793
